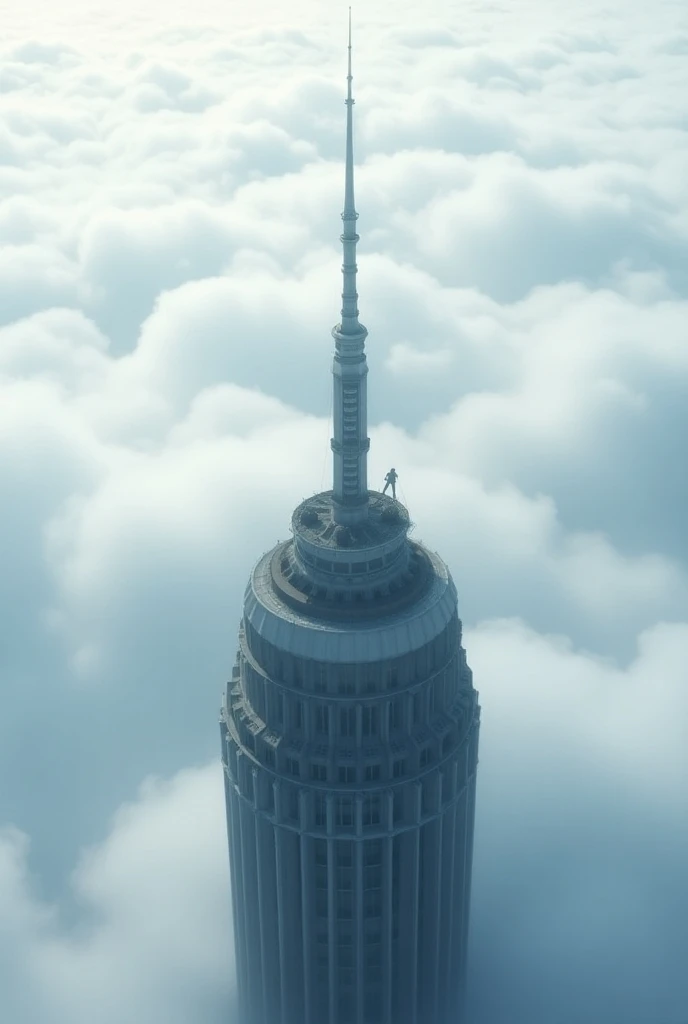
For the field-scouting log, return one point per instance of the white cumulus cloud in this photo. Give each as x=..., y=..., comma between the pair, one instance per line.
x=170, y=186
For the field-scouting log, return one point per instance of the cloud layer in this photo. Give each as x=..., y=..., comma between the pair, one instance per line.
x=168, y=275
x=145, y=935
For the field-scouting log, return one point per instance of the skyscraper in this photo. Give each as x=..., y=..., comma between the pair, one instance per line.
x=350, y=744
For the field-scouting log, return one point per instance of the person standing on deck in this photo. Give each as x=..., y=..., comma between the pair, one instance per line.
x=391, y=481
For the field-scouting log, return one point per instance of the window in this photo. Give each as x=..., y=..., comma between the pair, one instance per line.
x=372, y=772
x=292, y=804
x=346, y=997
x=279, y=708
x=322, y=719
x=417, y=707
x=320, y=851
x=256, y=694
x=372, y=853
x=297, y=715
x=345, y=856
x=371, y=810
x=320, y=681
x=398, y=805
x=399, y=768
x=396, y=714
x=321, y=902
x=373, y=1003
x=320, y=810
x=372, y=902
x=293, y=767
x=345, y=879
x=369, y=677
x=319, y=772
x=425, y=756
x=270, y=757
x=344, y=904
x=372, y=877
x=370, y=716
x=345, y=812
x=345, y=956
x=347, y=722
x=373, y=955
x=347, y=773
x=321, y=876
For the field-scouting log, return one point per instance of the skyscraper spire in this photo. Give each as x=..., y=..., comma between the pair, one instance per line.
x=350, y=443
x=349, y=216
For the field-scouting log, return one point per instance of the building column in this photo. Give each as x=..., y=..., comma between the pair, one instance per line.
x=238, y=896
x=288, y=869
x=332, y=909
x=267, y=895
x=407, y=947
x=358, y=908
x=432, y=902
x=308, y=924
x=251, y=919
x=448, y=923
x=462, y=839
x=259, y=850
x=386, y=937
x=470, y=819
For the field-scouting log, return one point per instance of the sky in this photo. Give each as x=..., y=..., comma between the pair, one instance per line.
x=171, y=178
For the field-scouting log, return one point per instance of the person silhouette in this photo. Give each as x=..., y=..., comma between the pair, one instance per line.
x=391, y=481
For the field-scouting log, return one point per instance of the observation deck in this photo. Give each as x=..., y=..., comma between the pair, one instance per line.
x=360, y=571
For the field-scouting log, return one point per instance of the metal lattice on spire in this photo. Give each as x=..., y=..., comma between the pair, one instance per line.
x=349, y=237
x=350, y=443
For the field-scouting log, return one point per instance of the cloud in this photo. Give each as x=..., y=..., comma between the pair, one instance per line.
x=513, y=228
x=169, y=218
x=33, y=277
x=582, y=829
x=145, y=935
x=435, y=121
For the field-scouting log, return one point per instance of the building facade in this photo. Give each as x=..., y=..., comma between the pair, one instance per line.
x=350, y=746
